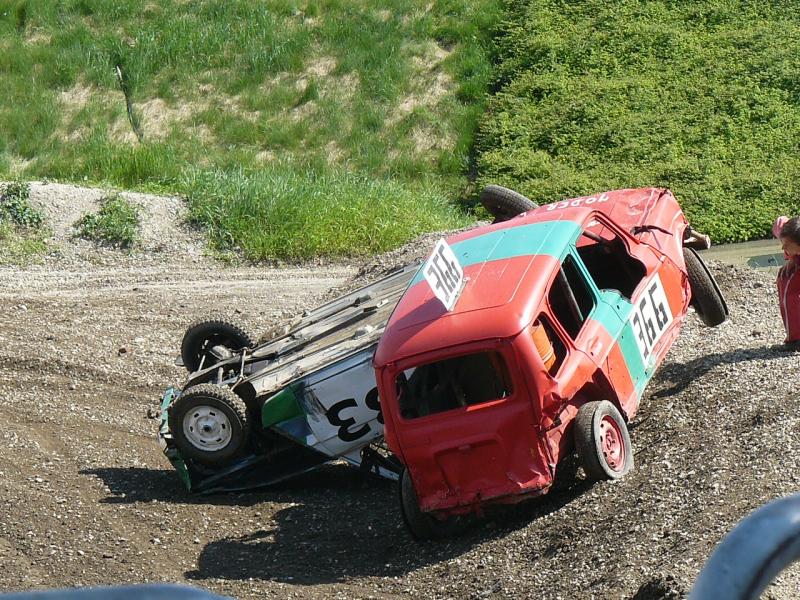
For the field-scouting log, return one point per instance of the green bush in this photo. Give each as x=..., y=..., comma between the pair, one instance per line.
x=117, y=223
x=703, y=98
x=15, y=207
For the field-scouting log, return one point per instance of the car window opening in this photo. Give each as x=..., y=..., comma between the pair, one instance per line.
x=452, y=383
x=608, y=262
x=570, y=298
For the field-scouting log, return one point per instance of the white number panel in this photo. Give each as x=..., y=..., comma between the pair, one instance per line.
x=347, y=395
x=444, y=274
x=651, y=316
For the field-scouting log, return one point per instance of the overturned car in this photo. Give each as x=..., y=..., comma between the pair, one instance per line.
x=251, y=414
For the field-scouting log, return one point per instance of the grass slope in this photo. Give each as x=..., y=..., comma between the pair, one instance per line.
x=299, y=128
x=276, y=97
x=702, y=97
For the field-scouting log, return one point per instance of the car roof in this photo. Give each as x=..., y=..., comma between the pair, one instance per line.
x=508, y=266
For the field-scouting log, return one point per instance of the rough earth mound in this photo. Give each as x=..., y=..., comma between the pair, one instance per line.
x=87, y=346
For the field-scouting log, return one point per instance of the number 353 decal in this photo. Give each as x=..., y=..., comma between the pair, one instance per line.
x=337, y=416
x=651, y=316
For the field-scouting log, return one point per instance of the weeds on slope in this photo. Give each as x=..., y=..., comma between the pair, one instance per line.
x=22, y=235
x=144, y=95
x=117, y=223
x=280, y=213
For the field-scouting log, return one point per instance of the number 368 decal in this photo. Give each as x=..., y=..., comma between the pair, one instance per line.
x=651, y=316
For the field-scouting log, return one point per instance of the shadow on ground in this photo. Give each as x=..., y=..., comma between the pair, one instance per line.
x=135, y=484
x=356, y=534
x=683, y=374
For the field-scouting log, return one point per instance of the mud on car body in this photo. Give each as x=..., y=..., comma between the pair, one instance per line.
x=562, y=315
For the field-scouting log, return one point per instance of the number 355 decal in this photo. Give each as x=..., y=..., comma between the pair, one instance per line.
x=346, y=432
x=651, y=316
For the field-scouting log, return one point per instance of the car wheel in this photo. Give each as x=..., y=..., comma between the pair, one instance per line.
x=602, y=440
x=424, y=526
x=209, y=424
x=503, y=203
x=707, y=298
x=208, y=342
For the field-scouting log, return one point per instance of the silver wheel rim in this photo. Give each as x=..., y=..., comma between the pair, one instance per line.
x=207, y=428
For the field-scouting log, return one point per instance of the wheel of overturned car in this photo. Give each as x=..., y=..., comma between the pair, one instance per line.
x=503, y=203
x=602, y=440
x=707, y=298
x=209, y=341
x=424, y=526
x=209, y=424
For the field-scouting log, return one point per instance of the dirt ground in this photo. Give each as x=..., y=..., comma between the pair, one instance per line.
x=87, y=345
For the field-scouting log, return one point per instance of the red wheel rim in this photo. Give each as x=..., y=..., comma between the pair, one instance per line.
x=612, y=444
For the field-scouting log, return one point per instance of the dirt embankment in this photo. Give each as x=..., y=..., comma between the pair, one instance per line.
x=87, y=344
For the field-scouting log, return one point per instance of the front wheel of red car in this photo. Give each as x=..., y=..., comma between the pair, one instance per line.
x=602, y=440
x=707, y=299
x=209, y=424
x=424, y=526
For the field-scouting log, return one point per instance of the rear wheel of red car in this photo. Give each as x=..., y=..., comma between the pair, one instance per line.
x=503, y=203
x=602, y=440
x=207, y=342
x=424, y=526
x=707, y=298
x=209, y=424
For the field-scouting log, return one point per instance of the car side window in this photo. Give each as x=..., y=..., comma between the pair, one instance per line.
x=607, y=259
x=570, y=297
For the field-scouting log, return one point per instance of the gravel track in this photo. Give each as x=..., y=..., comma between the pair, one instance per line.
x=87, y=344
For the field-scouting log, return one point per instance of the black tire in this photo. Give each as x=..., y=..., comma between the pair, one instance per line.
x=603, y=442
x=424, y=526
x=707, y=299
x=503, y=203
x=203, y=339
x=209, y=424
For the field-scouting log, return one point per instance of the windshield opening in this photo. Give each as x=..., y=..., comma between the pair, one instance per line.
x=452, y=383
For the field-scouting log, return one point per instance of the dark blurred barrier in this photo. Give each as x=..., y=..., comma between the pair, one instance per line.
x=751, y=556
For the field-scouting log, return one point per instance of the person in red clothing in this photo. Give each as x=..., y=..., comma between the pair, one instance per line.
x=788, y=232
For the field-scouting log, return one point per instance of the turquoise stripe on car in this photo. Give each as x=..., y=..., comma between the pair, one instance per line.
x=608, y=312
x=613, y=313
x=640, y=373
x=550, y=238
x=613, y=304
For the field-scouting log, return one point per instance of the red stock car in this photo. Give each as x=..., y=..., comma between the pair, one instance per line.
x=522, y=340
